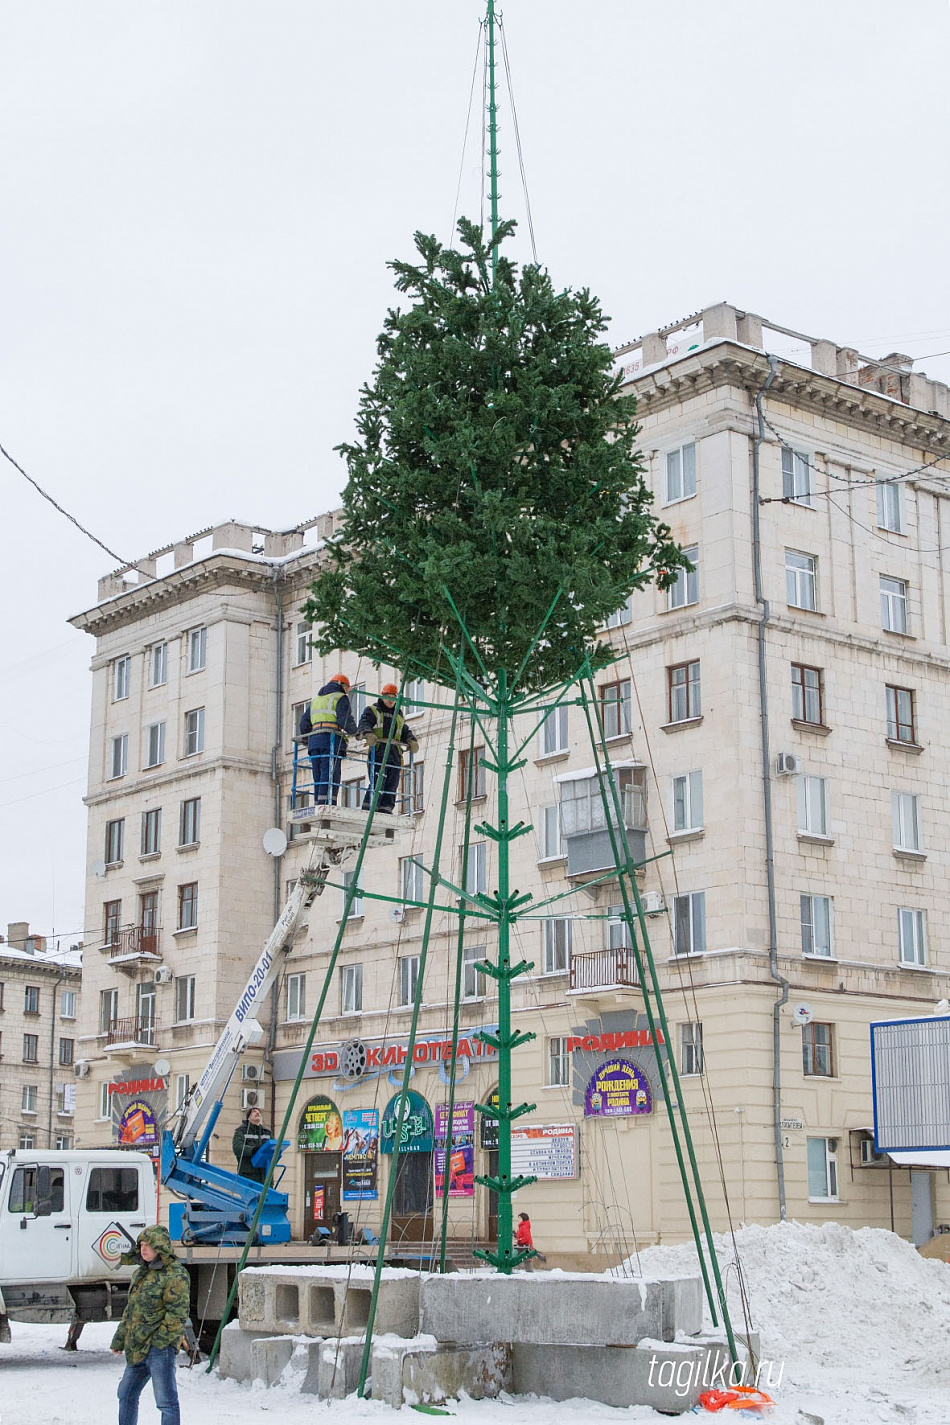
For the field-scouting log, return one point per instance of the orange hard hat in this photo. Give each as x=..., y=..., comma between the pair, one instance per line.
x=389, y=690
x=340, y=678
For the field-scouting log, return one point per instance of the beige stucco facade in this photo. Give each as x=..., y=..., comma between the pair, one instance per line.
x=839, y=836
x=40, y=1000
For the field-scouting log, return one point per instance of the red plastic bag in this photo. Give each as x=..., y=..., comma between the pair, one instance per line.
x=739, y=1397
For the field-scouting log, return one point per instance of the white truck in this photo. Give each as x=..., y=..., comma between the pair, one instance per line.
x=66, y=1217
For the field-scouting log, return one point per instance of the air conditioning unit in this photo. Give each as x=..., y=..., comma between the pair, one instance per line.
x=82, y=1068
x=652, y=902
x=251, y=1098
x=252, y=1073
x=788, y=765
x=163, y=975
x=870, y=1158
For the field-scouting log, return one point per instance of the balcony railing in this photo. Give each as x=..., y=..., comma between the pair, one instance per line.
x=133, y=1029
x=131, y=940
x=604, y=970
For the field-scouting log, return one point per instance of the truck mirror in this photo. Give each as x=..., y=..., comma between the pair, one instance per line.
x=44, y=1203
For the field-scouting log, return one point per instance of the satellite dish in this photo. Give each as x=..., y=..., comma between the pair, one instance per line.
x=98, y=868
x=275, y=842
x=397, y=914
x=162, y=1067
x=803, y=1013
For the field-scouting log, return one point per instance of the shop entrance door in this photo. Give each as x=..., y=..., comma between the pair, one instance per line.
x=412, y=1198
x=321, y=1191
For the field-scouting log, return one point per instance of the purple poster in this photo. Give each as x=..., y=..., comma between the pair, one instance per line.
x=461, y=1150
x=618, y=1089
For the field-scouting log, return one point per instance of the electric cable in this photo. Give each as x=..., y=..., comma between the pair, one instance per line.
x=514, y=124
x=468, y=120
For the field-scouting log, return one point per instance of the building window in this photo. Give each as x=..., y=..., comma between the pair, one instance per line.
x=412, y=878
x=619, y=936
x=148, y=919
x=188, y=906
x=182, y=1087
x=473, y=980
x=801, y=580
x=66, y=1048
x=356, y=905
x=689, y=923
x=304, y=650
x=476, y=869
x=184, y=998
x=796, y=477
x=189, y=826
x=813, y=819
x=905, y=815
x=557, y=938
x=27, y=1141
x=911, y=937
x=154, y=744
x=31, y=999
x=893, y=605
x=806, y=694
x=31, y=1048
x=115, y=841
x=152, y=832
x=158, y=665
x=351, y=989
x=67, y=1004
x=686, y=589
x=823, y=1169
x=29, y=1097
x=408, y=979
x=616, y=709
x=357, y=696
x=621, y=616
x=296, y=996
x=197, y=649
x=297, y=711
x=121, y=678
x=550, y=827
x=554, y=732
x=818, y=1060
x=413, y=696
x=691, y=1048
x=194, y=731
x=890, y=513
x=816, y=919
x=118, y=756
x=64, y=1140
x=411, y=789
x=685, y=702
x=350, y=794
x=105, y=1100
x=1, y=994
x=559, y=1062
x=473, y=776
x=108, y=1009
x=681, y=473
x=688, y=802
x=901, y=719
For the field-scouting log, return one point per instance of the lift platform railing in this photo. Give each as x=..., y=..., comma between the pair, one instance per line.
x=353, y=792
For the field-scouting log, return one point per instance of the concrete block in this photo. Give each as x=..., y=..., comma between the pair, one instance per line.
x=666, y=1377
x=234, y=1359
x=334, y=1368
x=250, y=1298
x=269, y=1357
x=397, y=1307
x=426, y=1372
x=327, y=1301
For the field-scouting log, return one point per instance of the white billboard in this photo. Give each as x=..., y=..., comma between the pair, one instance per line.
x=910, y=1081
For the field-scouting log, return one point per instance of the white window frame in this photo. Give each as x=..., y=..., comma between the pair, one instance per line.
x=557, y=944
x=893, y=604
x=357, y=697
x=827, y=1168
x=552, y=848
x=686, y=589
x=689, y=923
x=817, y=920
x=194, y=732
x=67, y=1004
x=151, y=817
x=558, y=1063
x=108, y=1000
x=473, y=981
x=801, y=580
x=184, y=999
x=158, y=665
x=476, y=872
x=105, y=1102
x=413, y=692
x=356, y=905
x=115, y=841
x=618, y=935
x=814, y=805
x=197, y=649
x=194, y=817
x=911, y=937
x=27, y=1142
x=553, y=733
x=408, y=971
x=622, y=616
x=686, y=801
x=296, y=996
x=304, y=648
x=64, y=1141
x=796, y=477
x=182, y=1089
x=691, y=1049
x=118, y=756
x=121, y=678
x=890, y=506
x=412, y=879
x=680, y=473
x=154, y=745
x=351, y=989
x=906, y=821
x=29, y=1098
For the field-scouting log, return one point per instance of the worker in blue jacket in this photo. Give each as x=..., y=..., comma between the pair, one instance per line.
x=329, y=722
x=380, y=725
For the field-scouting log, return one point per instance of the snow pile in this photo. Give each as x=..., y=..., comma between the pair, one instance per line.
x=830, y=1299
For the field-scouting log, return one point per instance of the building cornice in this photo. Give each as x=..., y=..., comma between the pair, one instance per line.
x=127, y=786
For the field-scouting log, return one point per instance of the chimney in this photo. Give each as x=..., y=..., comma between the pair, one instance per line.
x=18, y=933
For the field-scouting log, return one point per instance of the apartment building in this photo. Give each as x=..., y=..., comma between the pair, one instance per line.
x=774, y=723
x=40, y=996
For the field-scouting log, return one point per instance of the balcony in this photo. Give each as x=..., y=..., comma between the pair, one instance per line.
x=586, y=835
x=128, y=1035
x=130, y=947
x=606, y=975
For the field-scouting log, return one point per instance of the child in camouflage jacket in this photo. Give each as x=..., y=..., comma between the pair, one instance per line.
x=152, y=1326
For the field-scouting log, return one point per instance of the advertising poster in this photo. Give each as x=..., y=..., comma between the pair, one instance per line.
x=137, y=1125
x=320, y=1129
x=618, y=1089
x=488, y=1127
x=460, y=1146
x=319, y=1199
x=360, y=1149
x=407, y=1119
x=137, y=1103
x=545, y=1150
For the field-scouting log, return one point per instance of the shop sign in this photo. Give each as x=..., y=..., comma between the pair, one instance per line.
x=388, y=1055
x=544, y=1150
x=320, y=1129
x=488, y=1127
x=360, y=1148
x=618, y=1089
x=610, y=1043
x=407, y=1119
x=138, y=1104
x=461, y=1149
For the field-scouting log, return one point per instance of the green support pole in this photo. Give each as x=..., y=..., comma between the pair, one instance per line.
x=492, y=135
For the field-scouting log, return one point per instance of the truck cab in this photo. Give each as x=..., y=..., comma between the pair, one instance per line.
x=66, y=1217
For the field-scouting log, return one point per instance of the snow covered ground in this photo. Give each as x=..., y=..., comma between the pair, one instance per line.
x=858, y=1320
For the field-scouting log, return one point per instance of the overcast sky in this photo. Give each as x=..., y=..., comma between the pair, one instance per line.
x=198, y=199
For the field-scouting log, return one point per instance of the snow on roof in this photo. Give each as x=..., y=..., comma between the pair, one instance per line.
x=72, y=959
x=587, y=772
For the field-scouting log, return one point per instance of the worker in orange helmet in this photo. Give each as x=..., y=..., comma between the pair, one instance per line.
x=329, y=722
x=380, y=724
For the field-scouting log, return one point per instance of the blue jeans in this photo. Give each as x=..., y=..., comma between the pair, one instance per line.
x=160, y=1365
x=326, y=752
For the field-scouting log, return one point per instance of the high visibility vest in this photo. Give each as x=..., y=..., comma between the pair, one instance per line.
x=399, y=723
x=323, y=712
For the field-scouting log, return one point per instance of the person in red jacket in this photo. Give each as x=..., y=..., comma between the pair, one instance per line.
x=523, y=1232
